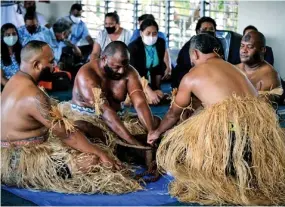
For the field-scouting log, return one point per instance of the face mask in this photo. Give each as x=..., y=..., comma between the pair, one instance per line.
x=149, y=40
x=11, y=40
x=111, y=74
x=32, y=29
x=75, y=19
x=46, y=75
x=110, y=30
x=209, y=32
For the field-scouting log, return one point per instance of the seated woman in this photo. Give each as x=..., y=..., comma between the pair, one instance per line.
x=10, y=52
x=112, y=32
x=147, y=53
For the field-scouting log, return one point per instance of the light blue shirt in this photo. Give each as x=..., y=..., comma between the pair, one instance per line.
x=48, y=36
x=12, y=69
x=136, y=35
x=78, y=31
x=25, y=36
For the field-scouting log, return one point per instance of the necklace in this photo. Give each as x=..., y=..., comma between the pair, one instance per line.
x=29, y=76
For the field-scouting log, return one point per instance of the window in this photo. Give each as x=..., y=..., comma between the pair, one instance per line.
x=176, y=18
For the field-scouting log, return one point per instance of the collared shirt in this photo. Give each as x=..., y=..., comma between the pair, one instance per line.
x=48, y=36
x=25, y=36
x=12, y=69
x=78, y=31
x=136, y=34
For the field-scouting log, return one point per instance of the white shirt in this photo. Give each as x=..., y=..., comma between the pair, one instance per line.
x=103, y=38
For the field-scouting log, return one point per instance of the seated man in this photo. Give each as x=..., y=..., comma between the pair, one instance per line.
x=42, y=150
x=232, y=151
x=99, y=89
x=261, y=74
x=204, y=25
x=30, y=6
x=56, y=37
x=30, y=29
x=268, y=56
x=79, y=29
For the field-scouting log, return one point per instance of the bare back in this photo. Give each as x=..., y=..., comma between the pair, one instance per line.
x=216, y=80
x=18, y=102
x=264, y=78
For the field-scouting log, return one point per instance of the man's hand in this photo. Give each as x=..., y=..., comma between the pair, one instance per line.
x=68, y=43
x=76, y=50
x=167, y=74
x=152, y=137
x=110, y=162
x=154, y=97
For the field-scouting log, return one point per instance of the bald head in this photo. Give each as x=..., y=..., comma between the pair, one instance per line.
x=255, y=37
x=118, y=48
x=252, y=48
x=32, y=49
x=37, y=59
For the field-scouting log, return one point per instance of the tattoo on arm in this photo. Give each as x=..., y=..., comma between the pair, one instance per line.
x=43, y=105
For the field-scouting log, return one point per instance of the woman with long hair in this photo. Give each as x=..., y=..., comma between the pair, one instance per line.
x=10, y=52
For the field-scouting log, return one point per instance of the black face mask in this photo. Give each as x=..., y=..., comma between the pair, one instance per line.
x=31, y=29
x=110, y=30
x=111, y=74
x=209, y=33
x=46, y=75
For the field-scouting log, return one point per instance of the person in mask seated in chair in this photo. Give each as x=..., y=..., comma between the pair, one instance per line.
x=147, y=55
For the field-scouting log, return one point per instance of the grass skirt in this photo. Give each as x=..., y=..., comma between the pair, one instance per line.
x=44, y=167
x=199, y=151
x=131, y=123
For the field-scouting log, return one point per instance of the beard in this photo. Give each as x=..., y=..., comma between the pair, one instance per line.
x=45, y=75
x=111, y=74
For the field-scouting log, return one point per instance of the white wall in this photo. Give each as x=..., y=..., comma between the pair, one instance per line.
x=269, y=18
x=55, y=9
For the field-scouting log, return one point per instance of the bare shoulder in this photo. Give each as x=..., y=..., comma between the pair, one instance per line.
x=132, y=72
x=239, y=66
x=37, y=102
x=269, y=69
x=88, y=74
x=191, y=75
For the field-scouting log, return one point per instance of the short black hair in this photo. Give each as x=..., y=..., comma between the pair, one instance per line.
x=114, y=47
x=148, y=22
x=205, y=43
x=30, y=15
x=113, y=15
x=146, y=16
x=205, y=19
x=249, y=27
x=31, y=48
x=77, y=7
x=61, y=25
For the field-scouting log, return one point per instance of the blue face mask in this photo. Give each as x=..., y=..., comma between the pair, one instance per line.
x=10, y=40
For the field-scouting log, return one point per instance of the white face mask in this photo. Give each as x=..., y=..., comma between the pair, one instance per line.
x=75, y=19
x=10, y=40
x=149, y=40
